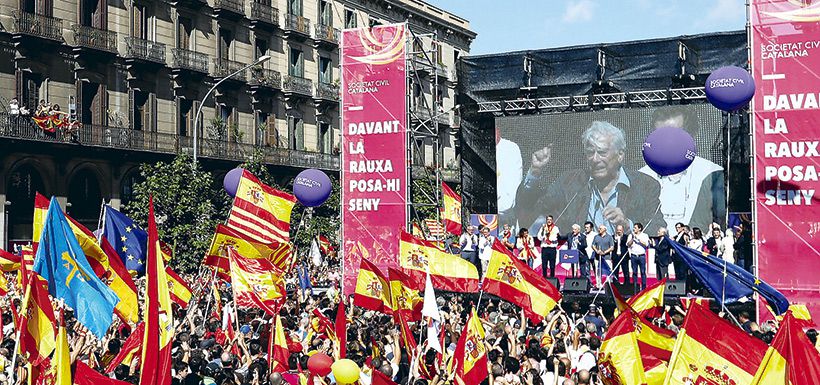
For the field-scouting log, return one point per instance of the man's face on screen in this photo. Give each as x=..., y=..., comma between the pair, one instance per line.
x=603, y=159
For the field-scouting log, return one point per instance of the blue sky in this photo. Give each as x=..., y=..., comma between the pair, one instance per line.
x=513, y=25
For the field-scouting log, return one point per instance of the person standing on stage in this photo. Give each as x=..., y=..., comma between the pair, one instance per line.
x=638, y=243
x=620, y=255
x=603, y=244
x=663, y=255
x=548, y=235
x=485, y=249
x=468, y=242
x=577, y=241
x=525, y=246
x=506, y=236
x=589, y=233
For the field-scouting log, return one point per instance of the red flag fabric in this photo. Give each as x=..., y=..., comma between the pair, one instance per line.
x=279, y=347
x=84, y=375
x=380, y=378
x=256, y=283
x=37, y=323
x=130, y=348
x=470, y=357
x=791, y=359
x=341, y=328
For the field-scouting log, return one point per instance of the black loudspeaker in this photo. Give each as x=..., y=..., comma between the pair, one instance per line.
x=626, y=290
x=554, y=282
x=576, y=285
x=677, y=288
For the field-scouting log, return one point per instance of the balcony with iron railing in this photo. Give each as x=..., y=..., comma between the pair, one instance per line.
x=296, y=85
x=225, y=67
x=326, y=34
x=18, y=127
x=229, y=8
x=327, y=92
x=31, y=24
x=98, y=39
x=297, y=26
x=189, y=60
x=263, y=77
x=141, y=49
x=264, y=13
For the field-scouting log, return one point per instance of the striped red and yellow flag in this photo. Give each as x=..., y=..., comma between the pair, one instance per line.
x=37, y=321
x=470, y=357
x=648, y=302
x=435, y=229
x=280, y=254
x=791, y=359
x=372, y=289
x=710, y=350
x=261, y=212
x=256, y=284
x=405, y=295
x=179, y=290
x=278, y=350
x=619, y=359
x=451, y=213
x=512, y=280
x=448, y=271
x=9, y=262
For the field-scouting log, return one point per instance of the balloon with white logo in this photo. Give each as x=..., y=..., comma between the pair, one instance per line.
x=669, y=150
x=312, y=187
x=730, y=88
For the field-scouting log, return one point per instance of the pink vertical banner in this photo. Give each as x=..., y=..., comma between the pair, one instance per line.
x=785, y=43
x=374, y=146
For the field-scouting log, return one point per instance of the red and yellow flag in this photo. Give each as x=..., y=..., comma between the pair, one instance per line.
x=648, y=303
x=325, y=245
x=261, y=212
x=131, y=348
x=513, y=281
x=9, y=262
x=61, y=362
x=37, y=322
x=470, y=357
x=447, y=271
x=278, y=348
x=619, y=359
x=791, y=359
x=40, y=210
x=179, y=290
x=159, y=321
x=372, y=289
x=709, y=350
x=451, y=213
x=405, y=295
x=224, y=237
x=256, y=283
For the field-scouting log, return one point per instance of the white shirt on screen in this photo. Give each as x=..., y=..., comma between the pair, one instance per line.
x=682, y=188
x=510, y=172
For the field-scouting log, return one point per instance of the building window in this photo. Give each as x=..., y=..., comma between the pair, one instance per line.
x=325, y=138
x=140, y=21
x=260, y=48
x=93, y=12
x=141, y=107
x=325, y=70
x=185, y=119
x=295, y=7
x=92, y=103
x=31, y=90
x=39, y=7
x=325, y=13
x=225, y=42
x=297, y=63
x=350, y=18
x=296, y=133
x=184, y=32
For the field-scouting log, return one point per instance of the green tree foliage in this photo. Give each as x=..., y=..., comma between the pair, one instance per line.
x=185, y=206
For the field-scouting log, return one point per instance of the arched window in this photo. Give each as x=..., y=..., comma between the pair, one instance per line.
x=22, y=184
x=85, y=198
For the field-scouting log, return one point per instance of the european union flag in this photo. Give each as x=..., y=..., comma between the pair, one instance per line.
x=61, y=262
x=727, y=281
x=127, y=238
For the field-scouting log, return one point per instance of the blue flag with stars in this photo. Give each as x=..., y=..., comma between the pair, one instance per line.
x=127, y=238
x=728, y=282
x=61, y=262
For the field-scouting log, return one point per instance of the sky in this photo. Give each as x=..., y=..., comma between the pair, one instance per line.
x=514, y=25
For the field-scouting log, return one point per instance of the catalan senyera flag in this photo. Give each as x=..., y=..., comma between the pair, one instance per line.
x=9, y=262
x=470, y=357
x=280, y=254
x=791, y=359
x=62, y=358
x=37, y=321
x=372, y=289
x=513, y=281
x=710, y=350
x=451, y=213
x=279, y=348
x=256, y=284
x=131, y=348
x=447, y=271
x=159, y=320
x=179, y=290
x=261, y=212
x=26, y=265
x=405, y=295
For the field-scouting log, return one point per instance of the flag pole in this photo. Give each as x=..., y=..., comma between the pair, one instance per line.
x=24, y=308
x=210, y=298
x=101, y=221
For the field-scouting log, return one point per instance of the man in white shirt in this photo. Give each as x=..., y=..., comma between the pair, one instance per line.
x=485, y=248
x=548, y=235
x=638, y=244
x=590, y=234
x=468, y=242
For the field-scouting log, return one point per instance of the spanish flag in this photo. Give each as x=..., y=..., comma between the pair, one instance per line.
x=470, y=357
x=36, y=321
x=451, y=214
x=325, y=245
x=278, y=348
x=791, y=359
x=655, y=345
x=155, y=365
x=41, y=204
x=710, y=350
x=256, y=283
x=179, y=290
x=130, y=348
x=372, y=289
x=261, y=212
x=619, y=359
x=648, y=303
x=217, y=256
x=448, y=271
x=405, y=295
x=513, y=281
x=9, y=262
x=62, y=358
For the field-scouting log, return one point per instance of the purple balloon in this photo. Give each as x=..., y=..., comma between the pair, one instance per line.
x=312, y=187
x=669, y=150
x=231, y=181
x=730, y=88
